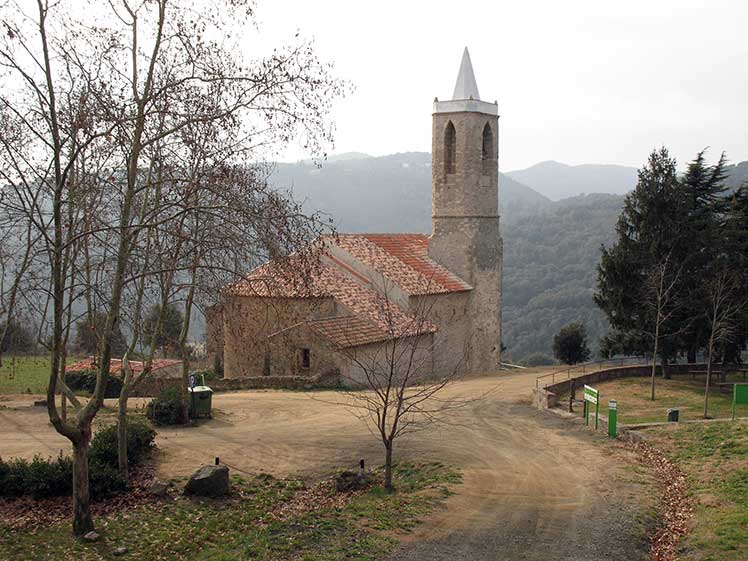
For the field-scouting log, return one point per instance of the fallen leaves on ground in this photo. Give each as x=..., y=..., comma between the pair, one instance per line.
x=318, y=497
x=27, y=513
x=675, y=508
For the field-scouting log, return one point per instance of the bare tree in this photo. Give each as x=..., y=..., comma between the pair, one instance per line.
x=90, y=108
x=725, y=302
x=660, y=298
x=398, y=383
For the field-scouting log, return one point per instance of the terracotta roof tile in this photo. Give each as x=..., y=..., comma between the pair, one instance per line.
x=404, y=260
x=349, y=331
x=115, y=365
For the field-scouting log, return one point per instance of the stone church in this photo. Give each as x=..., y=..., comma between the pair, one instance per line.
x=441, y=292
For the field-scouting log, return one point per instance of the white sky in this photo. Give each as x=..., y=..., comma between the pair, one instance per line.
x=577, y=81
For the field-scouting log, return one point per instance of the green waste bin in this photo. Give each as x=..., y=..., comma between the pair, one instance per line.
x=201, y=401
x=672, y=415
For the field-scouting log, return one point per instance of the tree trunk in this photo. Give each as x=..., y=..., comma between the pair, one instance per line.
x=708, y=380
x=665, y=367
x=82, y=519
x=185, y=392
x=654, y=362
x=388, y=468
x=122, y=460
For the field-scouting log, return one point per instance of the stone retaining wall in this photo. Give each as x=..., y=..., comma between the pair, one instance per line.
x=547, y=397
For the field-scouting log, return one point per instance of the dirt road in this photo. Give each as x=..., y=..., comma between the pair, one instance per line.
x=536, y=487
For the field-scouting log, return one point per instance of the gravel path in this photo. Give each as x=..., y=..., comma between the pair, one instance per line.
x=536, y=487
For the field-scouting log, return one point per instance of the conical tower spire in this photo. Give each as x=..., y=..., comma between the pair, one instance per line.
x=466, y=87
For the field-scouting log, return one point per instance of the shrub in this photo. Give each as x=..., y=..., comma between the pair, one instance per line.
x=49, y=477
x=39, y=478
x=208, y=374
x=140, y=437
x=85, y=381
x=104, y=480
x=166, y=408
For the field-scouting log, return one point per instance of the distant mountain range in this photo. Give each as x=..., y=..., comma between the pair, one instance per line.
x=558, y=181
x=552, y=233
x=384, y=194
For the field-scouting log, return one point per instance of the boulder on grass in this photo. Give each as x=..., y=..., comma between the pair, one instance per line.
x=347, y=481
x=209, y=481
x=158, y=488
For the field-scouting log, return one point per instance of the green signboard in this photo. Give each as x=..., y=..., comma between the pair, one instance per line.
x=591, y=395
x=739, y=396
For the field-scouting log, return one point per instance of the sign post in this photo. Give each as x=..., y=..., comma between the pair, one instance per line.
x=612, y=418
x=739, y=396
x=591, y=395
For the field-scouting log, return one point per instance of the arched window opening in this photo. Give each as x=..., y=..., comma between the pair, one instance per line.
x=488, y=150
x=449, y=148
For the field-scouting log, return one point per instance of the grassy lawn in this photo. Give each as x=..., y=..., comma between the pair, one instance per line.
x=24, y=374
x=715, y=458
x=249, y=526
x=634, y=405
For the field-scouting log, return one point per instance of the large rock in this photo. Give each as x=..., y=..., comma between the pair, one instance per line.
x=209, y=481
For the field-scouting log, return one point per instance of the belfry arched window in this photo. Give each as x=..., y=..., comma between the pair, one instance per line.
x=450, y=149
x=488, y=149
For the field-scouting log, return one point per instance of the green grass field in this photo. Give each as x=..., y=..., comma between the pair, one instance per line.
x=247, y=525
x=635, y=406
x=715, y=458
x=24, y=374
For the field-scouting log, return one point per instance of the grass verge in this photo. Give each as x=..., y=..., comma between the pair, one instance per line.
x=255, y=523
x=634, y=405
x=714, y=456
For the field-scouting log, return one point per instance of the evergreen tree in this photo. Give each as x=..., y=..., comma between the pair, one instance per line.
x=700, y=242
x=570, y=344
x=647, y=236
x=88, y=338
x=166, y=327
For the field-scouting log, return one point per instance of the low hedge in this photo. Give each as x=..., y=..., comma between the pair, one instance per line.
x=53, y=477
x=85, y=381
x=166, y=408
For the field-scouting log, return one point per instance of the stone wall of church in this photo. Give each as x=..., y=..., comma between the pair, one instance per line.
x=466, y=237
x=249, y=322
x=415, y=360
x=452, y=342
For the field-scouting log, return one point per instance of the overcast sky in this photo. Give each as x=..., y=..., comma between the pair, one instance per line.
x=577, y=81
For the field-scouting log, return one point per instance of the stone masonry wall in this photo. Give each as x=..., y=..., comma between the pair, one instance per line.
x=452, y=341
x=247, y=324
x=466, y=237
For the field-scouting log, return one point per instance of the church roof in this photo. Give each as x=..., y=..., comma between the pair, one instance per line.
x=466, y=87
x=403, y=259
x=369, y=316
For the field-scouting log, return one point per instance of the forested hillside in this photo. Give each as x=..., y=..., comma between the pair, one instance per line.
x=550, y=261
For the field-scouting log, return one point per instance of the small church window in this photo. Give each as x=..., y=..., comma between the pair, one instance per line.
x=450, y=142
x=306, y=359
x=488, y=149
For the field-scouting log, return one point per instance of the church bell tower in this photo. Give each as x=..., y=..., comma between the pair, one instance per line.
x=465, y=208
